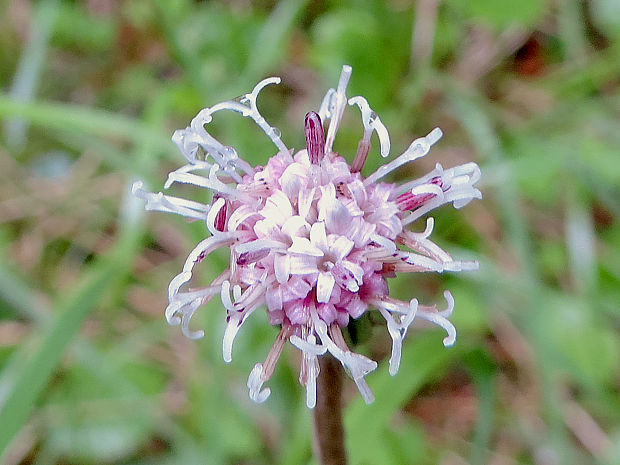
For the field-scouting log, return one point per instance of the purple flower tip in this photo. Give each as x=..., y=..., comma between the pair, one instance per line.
x=315, y=137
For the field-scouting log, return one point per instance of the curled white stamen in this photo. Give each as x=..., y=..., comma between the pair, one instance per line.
x=168, y=204
x=327, y=105
x=418, y=149
x=371, y=123
x=259, y=244
x=255, y=384
x=461, y=265
x=196, y=135
x=240, y=310
x=357, y=365
x=247, y=106
x=335, y=107
x=447, y=313
x=233, y=325
x=430, y=225
x=459, y=197
x=312, y=371
x=384, y=242
x=308, y=346
x=428, y=189
x=212, y=215
x=425, y=263
x=468, y=173
x=398, y=332
x=211, y=183
x=272, y=132
x=182, y=305
x=440, y=318
x=206, y=246
x=225, y=296
x=239, y=215
x=196, y=166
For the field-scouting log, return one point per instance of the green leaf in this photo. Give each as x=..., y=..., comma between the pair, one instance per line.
x=423, y=358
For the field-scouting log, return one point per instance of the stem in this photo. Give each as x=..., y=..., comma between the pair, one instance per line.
x=328, y=428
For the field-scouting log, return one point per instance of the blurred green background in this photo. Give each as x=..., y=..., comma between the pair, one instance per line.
x=90, y=94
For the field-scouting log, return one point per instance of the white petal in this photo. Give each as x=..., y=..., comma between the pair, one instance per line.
x=282, y=268
x=266, y=228
x=340, y=247
x=292, y=226
x=304, y=202
x=337, y=216
x=303, y=246
x=293, y=179
x=324, y=286
x=318, y=236
x=356, y=270
x=277, y=208
x=302, y=264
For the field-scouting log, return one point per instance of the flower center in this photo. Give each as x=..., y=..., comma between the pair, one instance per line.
x=326, y=265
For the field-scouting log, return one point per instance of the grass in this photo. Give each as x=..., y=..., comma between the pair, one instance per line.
x=91, y=92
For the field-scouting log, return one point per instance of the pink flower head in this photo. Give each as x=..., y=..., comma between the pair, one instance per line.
x=309, y=237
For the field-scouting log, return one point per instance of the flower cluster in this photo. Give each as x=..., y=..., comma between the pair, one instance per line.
x=310, y=237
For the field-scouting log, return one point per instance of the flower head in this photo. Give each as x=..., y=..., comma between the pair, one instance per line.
x=309, y=237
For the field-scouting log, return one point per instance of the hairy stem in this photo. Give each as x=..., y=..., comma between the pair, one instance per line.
x=328, y=428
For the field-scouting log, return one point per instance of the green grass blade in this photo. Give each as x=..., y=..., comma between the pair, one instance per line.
x=60, y=333
x=88, y=120
x=30, y=65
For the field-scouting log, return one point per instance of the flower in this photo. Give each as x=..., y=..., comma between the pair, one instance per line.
x=309, y=237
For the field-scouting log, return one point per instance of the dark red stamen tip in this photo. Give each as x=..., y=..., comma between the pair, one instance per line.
x=315, y=137
x=408, y=201
x=220, y=218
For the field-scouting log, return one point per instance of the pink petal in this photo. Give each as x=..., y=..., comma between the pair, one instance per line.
x=327, y=313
